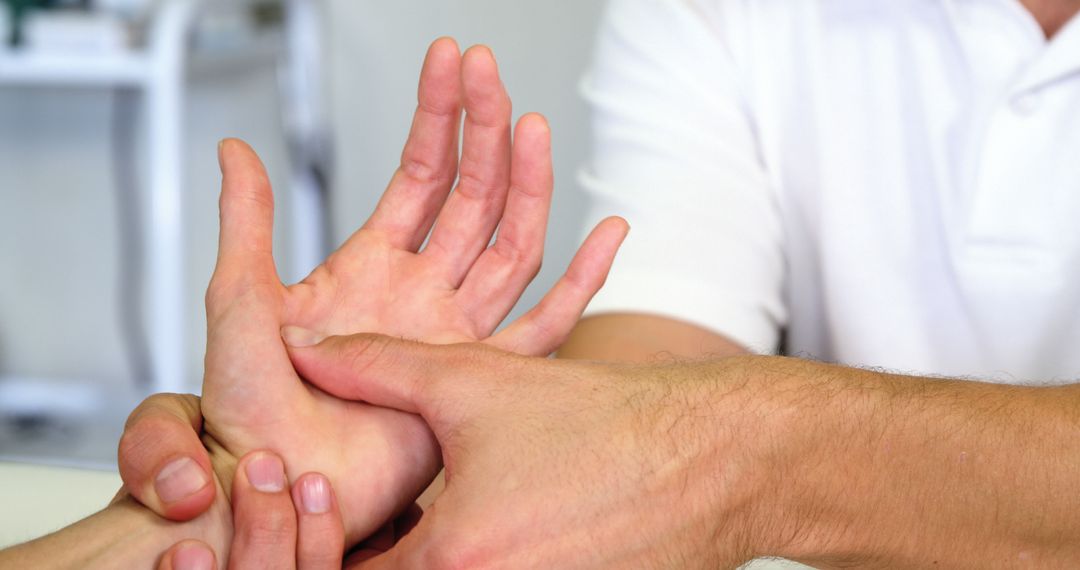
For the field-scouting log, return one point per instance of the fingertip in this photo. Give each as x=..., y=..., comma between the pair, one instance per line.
x=298, y=337
x=189, y=555
x=439, y=87
x=321, y=538
x=263, y=471
x=479, y=50
x=162, y=461
x=179, y=479
x=445, y=43
x=443, y=52
x=228, y=147
x=620, y=224
x=313, y=494
x=612, y=231
x=264, y=518
x=619, y=220
x=479, y=60
x=534, y=122
x=190, y=507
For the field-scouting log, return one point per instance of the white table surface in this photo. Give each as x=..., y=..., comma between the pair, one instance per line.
x=36, y=500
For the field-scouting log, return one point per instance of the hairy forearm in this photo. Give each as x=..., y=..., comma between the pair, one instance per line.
x=882, y=470
x=124, y=535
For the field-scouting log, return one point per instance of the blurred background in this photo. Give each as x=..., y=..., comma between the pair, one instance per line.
x=110, y=114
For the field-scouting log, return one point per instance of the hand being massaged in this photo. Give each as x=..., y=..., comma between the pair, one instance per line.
x=422, y=267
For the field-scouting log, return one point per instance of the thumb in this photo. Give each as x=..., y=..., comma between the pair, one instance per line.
x=380, y=370
x=245, y=243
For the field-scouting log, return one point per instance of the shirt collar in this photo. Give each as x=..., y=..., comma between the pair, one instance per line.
x=1060, y=59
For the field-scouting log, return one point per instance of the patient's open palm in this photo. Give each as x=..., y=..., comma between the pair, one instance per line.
x=459, y=287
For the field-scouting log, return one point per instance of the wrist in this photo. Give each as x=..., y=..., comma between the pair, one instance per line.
x=780, y=437
x=728, y=416
x=150, y=535
x=123, y=535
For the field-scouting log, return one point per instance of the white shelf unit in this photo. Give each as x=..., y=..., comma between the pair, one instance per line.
x=158, y=73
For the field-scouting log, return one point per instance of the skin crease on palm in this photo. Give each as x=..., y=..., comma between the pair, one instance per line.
x=457, y=289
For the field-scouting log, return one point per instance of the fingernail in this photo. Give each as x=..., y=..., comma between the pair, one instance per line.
x=221, y=155
x=266, y=473
x=193, y=558
x=297, y=337
x=315, y=495
x=179, y=480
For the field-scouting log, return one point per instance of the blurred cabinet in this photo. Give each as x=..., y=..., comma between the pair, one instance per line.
x=155, y=76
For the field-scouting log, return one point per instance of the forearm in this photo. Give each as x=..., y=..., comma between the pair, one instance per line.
x=124, y=535
x=895, y=471
x=644, y=338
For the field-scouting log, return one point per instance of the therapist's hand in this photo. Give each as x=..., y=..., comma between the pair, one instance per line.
x=279, y=528
x=275, y=527
x=564, y=464
x=457, y=288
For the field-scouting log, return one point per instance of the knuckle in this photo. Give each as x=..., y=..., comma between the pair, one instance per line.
x=165, y=407
x=139, y=448
x=423, y=172
x=212, y=299
x=319, y=553
x=475, y=187
x=362, y=352
x=535, y=263
x=226, y=291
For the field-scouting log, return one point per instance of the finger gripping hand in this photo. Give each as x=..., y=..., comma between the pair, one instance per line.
x=163, y=462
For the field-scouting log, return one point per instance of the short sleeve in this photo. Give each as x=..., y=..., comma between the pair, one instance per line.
x=675, y=153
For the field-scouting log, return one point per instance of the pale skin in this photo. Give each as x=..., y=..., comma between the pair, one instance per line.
x=456, y=288
x=708, y=464
x=839, y=467
x=484, y=244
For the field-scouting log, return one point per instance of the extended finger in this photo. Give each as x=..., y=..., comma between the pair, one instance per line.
x=497, y=280
x=245, y=245
x=264, y=518
x=545, y=327
x=163, y=462
x=430, y=158
x=188, y=555
x=321, y=541
x=467, y=222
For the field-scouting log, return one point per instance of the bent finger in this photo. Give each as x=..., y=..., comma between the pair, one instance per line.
x=163, y=462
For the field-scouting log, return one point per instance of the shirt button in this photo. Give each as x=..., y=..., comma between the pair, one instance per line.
x=1026, y=104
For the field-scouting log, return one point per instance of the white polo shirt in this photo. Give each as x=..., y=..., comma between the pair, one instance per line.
x=893, y=183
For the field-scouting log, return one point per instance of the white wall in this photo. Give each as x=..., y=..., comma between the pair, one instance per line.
x=58, y=259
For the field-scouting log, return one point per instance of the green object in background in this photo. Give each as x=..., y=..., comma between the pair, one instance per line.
x=20, y=8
